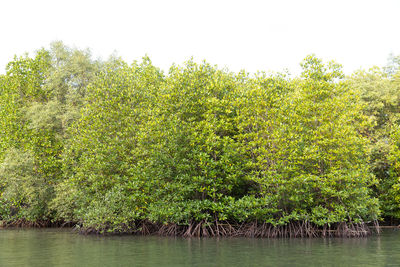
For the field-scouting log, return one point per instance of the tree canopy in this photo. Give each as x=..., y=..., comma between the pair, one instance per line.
x=113, y=147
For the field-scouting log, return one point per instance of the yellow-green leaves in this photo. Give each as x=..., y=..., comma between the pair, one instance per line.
x=110, y=144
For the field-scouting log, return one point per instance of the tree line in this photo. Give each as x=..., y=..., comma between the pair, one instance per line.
x=200, y=151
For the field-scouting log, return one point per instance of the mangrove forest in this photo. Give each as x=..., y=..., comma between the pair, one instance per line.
x=111, y=147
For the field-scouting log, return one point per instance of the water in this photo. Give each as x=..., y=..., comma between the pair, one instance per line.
x=54, y=247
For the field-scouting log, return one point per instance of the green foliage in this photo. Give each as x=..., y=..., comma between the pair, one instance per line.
x=26, y=192
x=207, y=145
x=194, y=160
x=108, y=145
x=308, y=156
x=34, y=116
x=102, y=160
x=380, y=94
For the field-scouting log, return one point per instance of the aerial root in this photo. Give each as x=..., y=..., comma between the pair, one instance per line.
x=264, y=230
x=219, y=229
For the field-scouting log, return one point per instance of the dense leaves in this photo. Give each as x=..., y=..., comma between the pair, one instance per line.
x=109, y=146
x=380, y=93
x=33, y=124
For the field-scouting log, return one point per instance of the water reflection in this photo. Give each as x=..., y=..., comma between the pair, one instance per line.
x=52, y=247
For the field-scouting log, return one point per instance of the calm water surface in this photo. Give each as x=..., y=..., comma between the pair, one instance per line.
x=53, y=247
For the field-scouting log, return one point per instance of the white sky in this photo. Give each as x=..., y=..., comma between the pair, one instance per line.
x=250, y=34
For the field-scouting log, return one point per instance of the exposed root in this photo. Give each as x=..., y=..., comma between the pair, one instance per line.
x=220, y=229
x=254, y=229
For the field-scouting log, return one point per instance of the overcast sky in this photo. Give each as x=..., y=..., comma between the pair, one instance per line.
x=246, y=34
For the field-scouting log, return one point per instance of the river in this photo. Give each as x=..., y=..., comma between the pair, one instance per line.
x=55, y=247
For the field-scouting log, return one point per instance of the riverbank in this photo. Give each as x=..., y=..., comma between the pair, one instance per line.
x=218, y=229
